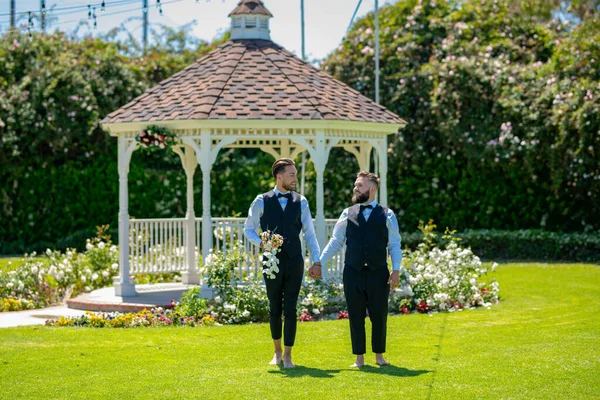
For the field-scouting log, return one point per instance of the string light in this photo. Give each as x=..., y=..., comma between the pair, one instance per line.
x=91, y=10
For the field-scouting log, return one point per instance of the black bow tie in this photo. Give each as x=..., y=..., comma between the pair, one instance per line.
x=286, y=195
x=362, y=208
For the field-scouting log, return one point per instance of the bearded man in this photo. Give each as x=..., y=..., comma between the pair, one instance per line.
x=369, y=232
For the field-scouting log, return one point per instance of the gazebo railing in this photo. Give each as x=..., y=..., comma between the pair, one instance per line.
x=158, y=245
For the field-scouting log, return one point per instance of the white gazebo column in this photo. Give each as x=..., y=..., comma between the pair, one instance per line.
x=362, y=153
x=122, y=283
x=206, y=156
x=381, y=148
x=189, y=161
x=319, y=154
x=206, y=162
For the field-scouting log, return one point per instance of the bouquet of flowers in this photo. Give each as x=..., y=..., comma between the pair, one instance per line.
x=156, y=137
x=271, y=242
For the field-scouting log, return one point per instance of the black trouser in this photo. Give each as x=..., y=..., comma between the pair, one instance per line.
x=367, y=290
x=283, y=294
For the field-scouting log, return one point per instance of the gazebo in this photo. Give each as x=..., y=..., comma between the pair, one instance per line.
x=247, y=93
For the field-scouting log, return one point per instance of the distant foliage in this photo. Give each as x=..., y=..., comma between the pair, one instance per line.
x=503, y=112
x=58, y=169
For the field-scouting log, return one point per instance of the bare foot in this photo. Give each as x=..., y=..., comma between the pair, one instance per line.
x=287, y=363
x=360, y=362
x=379, y=360
x=276, y=359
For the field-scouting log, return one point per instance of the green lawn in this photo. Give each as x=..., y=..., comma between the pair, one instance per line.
x=542, y=341
x=10, y=263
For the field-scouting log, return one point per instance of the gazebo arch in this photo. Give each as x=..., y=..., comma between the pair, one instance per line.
x=248, y=93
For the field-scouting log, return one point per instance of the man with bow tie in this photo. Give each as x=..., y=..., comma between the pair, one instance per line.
x=369, y=232
x=285, y=212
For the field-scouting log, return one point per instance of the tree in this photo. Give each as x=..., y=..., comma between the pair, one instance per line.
x=501, y=110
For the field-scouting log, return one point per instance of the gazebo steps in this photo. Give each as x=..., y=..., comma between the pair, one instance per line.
x=147, y=297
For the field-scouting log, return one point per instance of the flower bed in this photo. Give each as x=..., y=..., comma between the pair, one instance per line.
x=54, y=277
x=434, y=279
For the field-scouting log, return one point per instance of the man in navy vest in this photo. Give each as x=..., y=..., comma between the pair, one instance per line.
x=285, y=212
x=369, y=232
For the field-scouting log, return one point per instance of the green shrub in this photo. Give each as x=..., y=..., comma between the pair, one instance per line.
x=192, y=305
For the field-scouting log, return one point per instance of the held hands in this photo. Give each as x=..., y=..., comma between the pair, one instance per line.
x=394, y=279
x=315, y=271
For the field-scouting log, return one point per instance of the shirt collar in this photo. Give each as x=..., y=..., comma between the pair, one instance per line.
x=373, y=204
x=277, y=191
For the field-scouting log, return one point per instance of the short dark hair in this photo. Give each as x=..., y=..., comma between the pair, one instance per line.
x=280, y=165
x=371, y=177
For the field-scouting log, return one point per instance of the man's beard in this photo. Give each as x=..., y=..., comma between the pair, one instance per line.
x=361, y=197
x=289, y=186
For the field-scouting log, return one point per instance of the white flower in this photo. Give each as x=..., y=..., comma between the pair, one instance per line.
x=89, y=246
x=9, y=285
x=218, y=300
x=211, y=259
x=246, y=313
x=105, y=274
x=316, y=311
x=83, y=279
x=48, y=252
x=113, y=249
x=115, y=266
x=101, y=245
x=94, y=276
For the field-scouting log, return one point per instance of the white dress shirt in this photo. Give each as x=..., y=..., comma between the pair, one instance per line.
x=252, y=224
x=338, y=238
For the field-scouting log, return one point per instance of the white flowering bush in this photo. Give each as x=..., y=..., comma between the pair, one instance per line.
x=440, y=279
x=321, y=300
x=54, y=277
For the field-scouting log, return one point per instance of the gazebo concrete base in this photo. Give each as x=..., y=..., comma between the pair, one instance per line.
x=146, y=297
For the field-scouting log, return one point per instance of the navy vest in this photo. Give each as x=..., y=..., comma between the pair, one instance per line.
x=366, y=241
x=287, y=223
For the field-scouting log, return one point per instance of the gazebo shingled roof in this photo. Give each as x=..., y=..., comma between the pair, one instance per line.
x=252, y=79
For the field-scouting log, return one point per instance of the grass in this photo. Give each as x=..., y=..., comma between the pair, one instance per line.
x=10, y=263
x=542, y=341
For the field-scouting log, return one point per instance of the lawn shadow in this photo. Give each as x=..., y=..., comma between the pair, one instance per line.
x=391, y=370
x=305, y=371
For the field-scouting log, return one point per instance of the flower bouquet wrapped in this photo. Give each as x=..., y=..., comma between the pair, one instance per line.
x=271, y=243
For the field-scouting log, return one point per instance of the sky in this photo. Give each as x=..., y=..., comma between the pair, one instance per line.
x=326, y=21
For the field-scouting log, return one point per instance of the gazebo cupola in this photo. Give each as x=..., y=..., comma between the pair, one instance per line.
x=250, y=20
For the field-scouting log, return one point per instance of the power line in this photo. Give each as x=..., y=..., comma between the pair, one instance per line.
x=353, y=16
x=80, y=7
x=92, y=9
